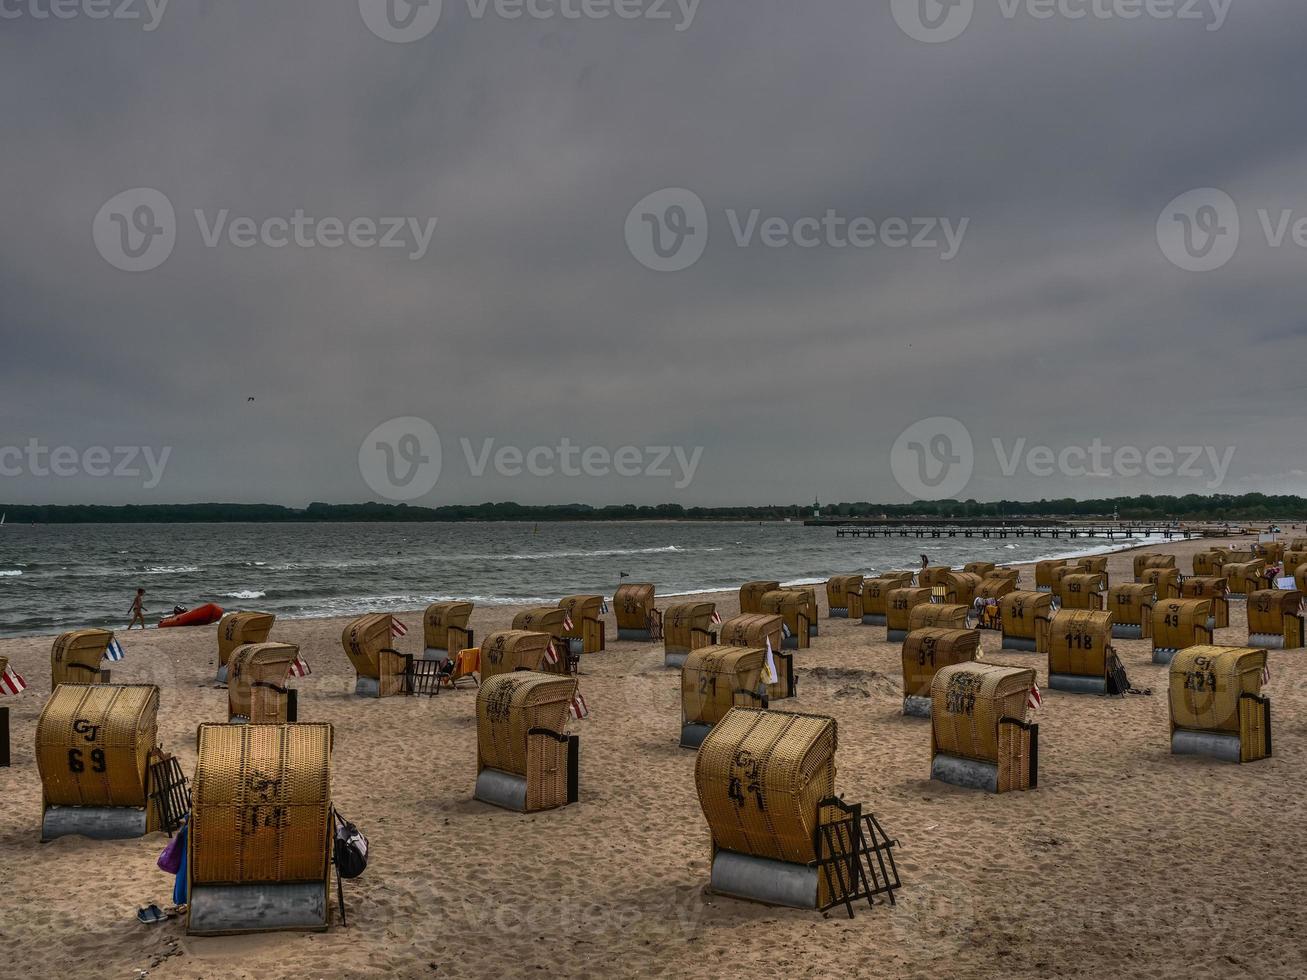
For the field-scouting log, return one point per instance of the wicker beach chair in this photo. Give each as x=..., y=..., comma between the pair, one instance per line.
x=1131, y=605
x=1294, y=560
x=236, y=629
x=875, y=595
x=925, y=651
x=1214, y=588
x=1096, y=563
x=751, y=594
x=382, y=670
x=1165, y=581
x=93, y=751
x=637, y=619
x=1026, y=617
x=759, y=630
x=981, y=568
x=686, y=626
x=1081, y=658
x=1044, y=573
x=844, y=596
x=713, y=680
x=766, y=785
x=898, y=610
x=961, y=587
x=995, y=587
x=588, y=631
x=1013, y=574
x=1208, y=563
x=526, y=760
x=1244, y=577
x=1275, y=619
x=509, y=650
x=75, y=657
x=1217, y=708
x=551, y=620
x=260, y=836
x=1145, y=560
x=1083, y=590
x=979, y=734
x=792, y=607
x=1179, y=624
x=445, y=630
x=933, y=575
x=1271, y=552
x=933, y=614
x=257, y=692
x=809, y=605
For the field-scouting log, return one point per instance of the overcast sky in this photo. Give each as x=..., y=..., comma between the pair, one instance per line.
x=1058, y=314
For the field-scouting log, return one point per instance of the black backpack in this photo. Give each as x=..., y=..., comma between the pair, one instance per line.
x=351, y=848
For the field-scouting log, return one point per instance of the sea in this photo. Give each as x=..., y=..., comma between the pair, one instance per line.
x=56, y=577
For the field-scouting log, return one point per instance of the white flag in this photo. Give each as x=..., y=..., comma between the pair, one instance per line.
x=772, y=676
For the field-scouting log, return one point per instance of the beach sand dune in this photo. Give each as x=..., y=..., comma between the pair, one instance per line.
x=1125, y=861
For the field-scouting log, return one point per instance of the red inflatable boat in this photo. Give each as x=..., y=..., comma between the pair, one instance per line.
x=199, y=616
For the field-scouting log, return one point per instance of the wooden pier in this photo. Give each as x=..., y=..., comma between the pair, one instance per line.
x=1004, y=529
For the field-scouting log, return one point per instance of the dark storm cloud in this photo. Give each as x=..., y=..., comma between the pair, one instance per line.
x=527, y=321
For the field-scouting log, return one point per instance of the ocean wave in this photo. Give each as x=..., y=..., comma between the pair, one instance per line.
x=598, y=553
x=245, y=594
x=171, y=569
x=10, y=572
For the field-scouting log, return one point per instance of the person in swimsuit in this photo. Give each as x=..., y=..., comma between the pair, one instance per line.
x=138, y=609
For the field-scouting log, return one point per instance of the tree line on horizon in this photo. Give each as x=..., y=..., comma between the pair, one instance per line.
x=1194, y=507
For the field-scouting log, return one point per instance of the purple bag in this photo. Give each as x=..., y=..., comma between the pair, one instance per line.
x=171, y=858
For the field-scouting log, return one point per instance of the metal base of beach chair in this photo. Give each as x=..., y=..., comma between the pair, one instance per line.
x=916, y=707
x=692, y=736
x=1269, y=641
x=96, y=822
x=1077, y=683
x=896, y=636
x=222, y=674
x=873, y=619
x=1164, y=655
x=640, y=636
x=1043, y=588
x=1217, y=746
x=367, y=687
x=675, y=658
x=764, y=880
x=1127, y=631
x=435, y=653
x=263, y=907
x=839, y=612
x=500, y=788
x=1019, y=643
x=967, y=773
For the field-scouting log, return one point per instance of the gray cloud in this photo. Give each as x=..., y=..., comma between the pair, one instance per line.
x=528, y=320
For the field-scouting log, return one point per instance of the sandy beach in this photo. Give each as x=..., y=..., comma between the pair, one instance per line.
x=1125, y=860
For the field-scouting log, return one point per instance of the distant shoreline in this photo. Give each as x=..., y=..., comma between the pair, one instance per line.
x=1208, y=511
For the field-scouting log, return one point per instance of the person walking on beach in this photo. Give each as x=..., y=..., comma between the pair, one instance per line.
x=925, y=562
x=138, y=610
